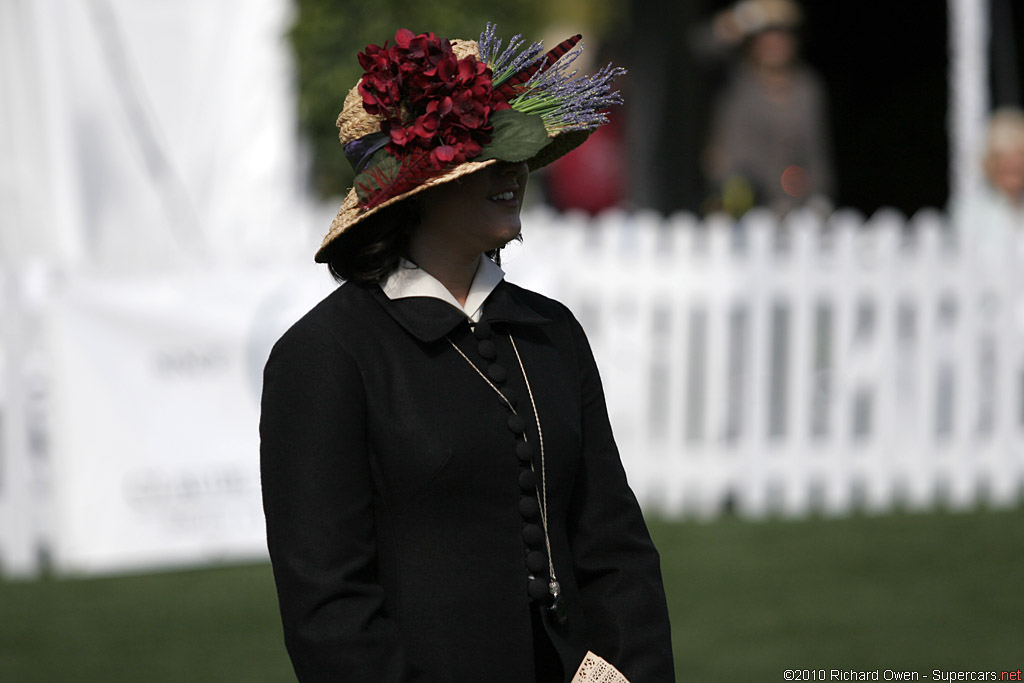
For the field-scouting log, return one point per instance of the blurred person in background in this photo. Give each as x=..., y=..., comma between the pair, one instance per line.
x=991, y=222
x=769, y=144
x=988, y=227
x=443, y=495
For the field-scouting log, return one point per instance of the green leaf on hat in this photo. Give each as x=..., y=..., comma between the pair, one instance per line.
x=516, y=136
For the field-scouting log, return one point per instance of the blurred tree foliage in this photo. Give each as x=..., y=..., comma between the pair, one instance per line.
x=327, y=34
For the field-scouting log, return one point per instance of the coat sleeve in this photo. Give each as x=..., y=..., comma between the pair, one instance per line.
x=616, y=564
x=317, y=499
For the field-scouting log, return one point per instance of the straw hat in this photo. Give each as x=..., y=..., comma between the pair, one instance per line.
x=403, y=135
x=754, y=16
x=748, y=18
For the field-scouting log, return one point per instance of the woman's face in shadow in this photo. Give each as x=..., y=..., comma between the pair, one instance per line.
x=478, y=212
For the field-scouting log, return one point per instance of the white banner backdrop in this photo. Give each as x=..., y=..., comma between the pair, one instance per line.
x=137, y=135
x=155, y=394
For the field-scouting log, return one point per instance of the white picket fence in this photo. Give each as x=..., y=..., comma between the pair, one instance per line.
x=808, y=367
x=797, y=368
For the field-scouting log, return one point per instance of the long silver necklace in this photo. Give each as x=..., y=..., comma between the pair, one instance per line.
x=554, y=588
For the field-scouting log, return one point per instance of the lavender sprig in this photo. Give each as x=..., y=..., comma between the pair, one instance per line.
x=506, y=64
x=567, y=102
x=563, y=100
x=488, y=45
x=556, y=73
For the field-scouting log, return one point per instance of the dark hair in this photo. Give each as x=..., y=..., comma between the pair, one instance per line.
x=370, y=250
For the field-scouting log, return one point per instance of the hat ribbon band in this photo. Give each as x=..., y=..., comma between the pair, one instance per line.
x=359, y=151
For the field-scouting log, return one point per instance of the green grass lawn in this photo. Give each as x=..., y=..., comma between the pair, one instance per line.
x=908, y=592
x=748, y=600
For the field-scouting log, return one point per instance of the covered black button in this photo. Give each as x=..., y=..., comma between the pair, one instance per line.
x=524, y=451
x=537, y=588
x=516, y=424
x=529, y=507
x=482, y=330
x=533, y=535
x=536, y=561
x=487, y=349
x=497, y=373
x=511, y=396
x=528, y=480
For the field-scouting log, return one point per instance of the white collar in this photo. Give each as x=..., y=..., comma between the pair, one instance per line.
x=410, y=280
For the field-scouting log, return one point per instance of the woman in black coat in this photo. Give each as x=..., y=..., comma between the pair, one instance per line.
x=443, y=495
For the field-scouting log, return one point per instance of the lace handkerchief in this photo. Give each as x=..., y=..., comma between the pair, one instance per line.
x=596, y=670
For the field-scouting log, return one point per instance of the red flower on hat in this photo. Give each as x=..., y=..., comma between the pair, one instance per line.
x=432, y=102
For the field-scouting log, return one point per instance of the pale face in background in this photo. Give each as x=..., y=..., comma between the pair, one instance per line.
x=1005, y=170
x=773, y=49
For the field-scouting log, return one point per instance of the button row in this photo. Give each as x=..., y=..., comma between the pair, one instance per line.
x=533, y=533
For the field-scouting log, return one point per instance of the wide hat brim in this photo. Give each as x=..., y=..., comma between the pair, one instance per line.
x=350, y=214
x=354, y=122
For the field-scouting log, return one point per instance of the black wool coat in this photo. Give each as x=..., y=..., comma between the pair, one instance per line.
x=402, y=514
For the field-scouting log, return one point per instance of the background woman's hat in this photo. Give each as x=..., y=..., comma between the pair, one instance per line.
x=748, y=18
x=428, y=110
